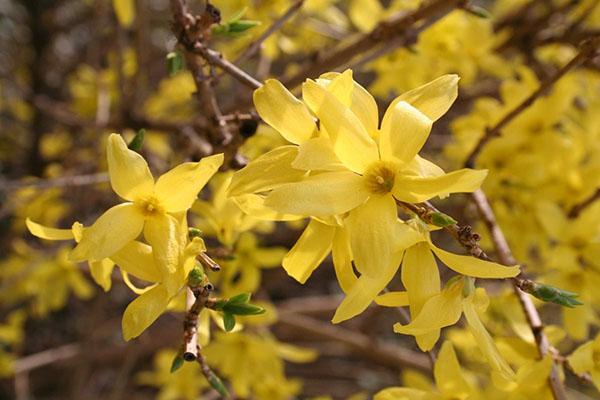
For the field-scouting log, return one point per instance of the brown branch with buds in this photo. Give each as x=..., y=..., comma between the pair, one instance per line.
x=589, y=49
x=401, y=25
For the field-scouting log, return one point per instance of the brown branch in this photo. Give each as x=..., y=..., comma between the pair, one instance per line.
x=380, y=352
x=533, y=318
x=196, y=300
x=470, y=241
x=578, y=208
x=47, y=357
x=64, y=181
x=587, y=51
x=400, y=25
x=275, y=26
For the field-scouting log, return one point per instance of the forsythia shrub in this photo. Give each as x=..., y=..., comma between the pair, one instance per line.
x=442, y=156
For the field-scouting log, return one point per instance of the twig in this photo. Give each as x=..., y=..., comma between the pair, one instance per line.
x=380, y=352
x=190, y=34
x=275, y=26
x=533, y=318
x=384, y=32
x=194, y=305
x=470, y=241
x=46, y=357
x=64, y=181
x=587, y=51
x=578, y=208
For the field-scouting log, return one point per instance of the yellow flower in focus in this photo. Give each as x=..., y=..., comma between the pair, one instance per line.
x=156, y=208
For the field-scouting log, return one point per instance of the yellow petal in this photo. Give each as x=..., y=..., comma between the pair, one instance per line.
x=376, y=234
x=353, y=95
x=143, y=311
x=135, y=289
x=485, y=342
x=130, y=176
x=136, y=259
x=266, y=172
x=341, y=253
x=317, y=154
x=254, y=205
x=421, y=279
x=418, y=189
x=434, y=98
x=582, y=359
x=101, y=272
x=319, y=195
x=404, y=131
x=281, y=110
x=178, y=188
x=365, y=290
x=392, y=299
x=351, y=142
x=44, y=232
x=448, y=375
x=162, y=231
x=115, y=228
x=439, y=311
x=471, y=266
x=403, y=393
x=309, y=251
x=125, y=11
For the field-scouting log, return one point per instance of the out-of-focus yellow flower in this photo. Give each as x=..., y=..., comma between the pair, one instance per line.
x=586, y=359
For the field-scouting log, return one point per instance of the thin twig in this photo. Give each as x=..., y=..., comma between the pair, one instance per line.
x=578, y=208
x=195, y=302
x=397, y=26
x=275, y=26
x=380, y=352
x=587, y=51
x=533, y=318
x=64, y=181
x=46, y=357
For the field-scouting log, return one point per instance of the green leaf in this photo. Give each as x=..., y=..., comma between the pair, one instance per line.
x=217, y=384
x=196, y=276
x=177, y=363
x=194, y=232
x=228, y=321
x=555, y=295
x=234, y=28
x=240, y=298
x=219, y=304
x=174, y=62
x=137, y=141
x=442, y=220
x=243, y=309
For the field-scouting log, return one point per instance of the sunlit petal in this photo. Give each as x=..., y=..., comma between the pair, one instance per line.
x=130, y=176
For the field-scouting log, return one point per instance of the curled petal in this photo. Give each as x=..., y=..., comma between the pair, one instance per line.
x=309, y=251
x=44, y=232
x=281, y=110
x=471, y=266
x=178, y=188
x=434, y=98
x=143, y=311
x=115, y=228
x=130, y=176
x=414, y=189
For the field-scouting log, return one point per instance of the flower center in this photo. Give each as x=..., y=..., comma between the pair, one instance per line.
x=380, y=177
x=149, y=206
